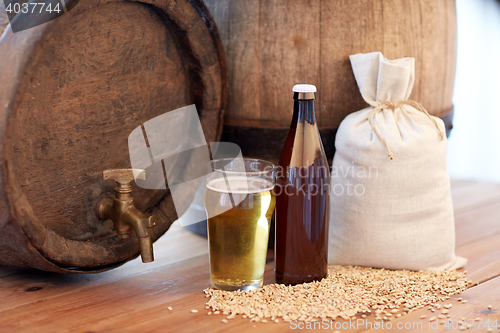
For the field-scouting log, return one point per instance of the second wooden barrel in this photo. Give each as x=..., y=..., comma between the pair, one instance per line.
x=272, y=45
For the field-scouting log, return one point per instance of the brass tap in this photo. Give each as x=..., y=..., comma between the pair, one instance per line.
x=125, y=216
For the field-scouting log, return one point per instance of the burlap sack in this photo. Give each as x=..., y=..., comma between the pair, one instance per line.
x=390, y=191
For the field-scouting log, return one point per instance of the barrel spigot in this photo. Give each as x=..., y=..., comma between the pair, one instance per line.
x=125, y=216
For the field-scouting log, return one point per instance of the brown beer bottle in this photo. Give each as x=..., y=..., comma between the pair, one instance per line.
x=302, y=197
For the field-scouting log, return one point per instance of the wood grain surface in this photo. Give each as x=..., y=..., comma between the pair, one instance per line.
x=135, y=297
x=475, y=312
x=271, y=46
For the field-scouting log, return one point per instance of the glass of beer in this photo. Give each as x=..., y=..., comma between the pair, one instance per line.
x=239, y=202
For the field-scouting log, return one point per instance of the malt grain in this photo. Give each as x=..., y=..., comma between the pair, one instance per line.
x=346, y=291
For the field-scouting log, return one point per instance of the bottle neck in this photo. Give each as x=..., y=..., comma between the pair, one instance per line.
x=303, y=111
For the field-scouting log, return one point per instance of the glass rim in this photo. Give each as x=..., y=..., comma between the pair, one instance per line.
x=271, y=164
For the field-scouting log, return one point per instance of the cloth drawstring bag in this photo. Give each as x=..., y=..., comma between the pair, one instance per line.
x=390, y=189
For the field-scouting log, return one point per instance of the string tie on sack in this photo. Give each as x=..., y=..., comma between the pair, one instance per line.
x=393, y=106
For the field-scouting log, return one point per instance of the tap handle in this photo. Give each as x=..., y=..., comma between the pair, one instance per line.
x=124, y=176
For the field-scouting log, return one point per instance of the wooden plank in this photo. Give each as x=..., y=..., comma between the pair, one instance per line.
x=265, y=38
x=243, y=47
x=403, y=37
x=181, y=319
x=448, y=79
x=119, y=297
x=483, y=258
x=478, y=298
x=435, y=35
x=289, y=46
x=397, y=29
x=479, y=194
x=17, y=289
x=337, y=20
x=129, y=299
x=476, y=224
x=479, y=255
x=144, y=317
x=273, y=44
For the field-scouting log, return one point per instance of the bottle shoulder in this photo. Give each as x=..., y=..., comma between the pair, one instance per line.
x=303, y=147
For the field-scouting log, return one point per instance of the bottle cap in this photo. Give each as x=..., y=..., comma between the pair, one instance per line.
x=304, y=88
x=304, y=91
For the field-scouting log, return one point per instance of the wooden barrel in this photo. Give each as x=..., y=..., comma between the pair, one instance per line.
x=4, y=19
x=71, y=92
x=272, y=45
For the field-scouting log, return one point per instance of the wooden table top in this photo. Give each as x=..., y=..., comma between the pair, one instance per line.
x=135, y=297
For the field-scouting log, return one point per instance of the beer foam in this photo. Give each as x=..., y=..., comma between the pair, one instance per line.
x=241, y=185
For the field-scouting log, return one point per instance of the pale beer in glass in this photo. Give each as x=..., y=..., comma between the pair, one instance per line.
x=239, y=201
